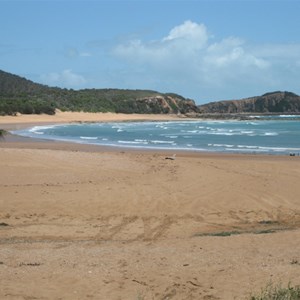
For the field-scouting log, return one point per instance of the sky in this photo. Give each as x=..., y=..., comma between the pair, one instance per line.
x=205, y=50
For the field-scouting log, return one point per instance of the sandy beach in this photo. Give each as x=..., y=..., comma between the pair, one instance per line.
x=67, y=117
x=88, y=222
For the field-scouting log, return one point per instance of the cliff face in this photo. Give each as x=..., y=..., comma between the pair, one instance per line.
x=275, y=102
x=167, y=104
x=18, y=94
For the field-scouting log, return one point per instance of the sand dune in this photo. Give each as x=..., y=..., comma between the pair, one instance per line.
x=91, y=223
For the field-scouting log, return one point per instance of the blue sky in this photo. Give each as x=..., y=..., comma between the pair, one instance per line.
x=205, y=50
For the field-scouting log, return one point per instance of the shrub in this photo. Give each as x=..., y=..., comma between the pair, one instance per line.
x=2, y=133
x=271, y=292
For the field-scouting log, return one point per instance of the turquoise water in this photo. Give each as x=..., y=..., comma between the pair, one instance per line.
x=272, y=136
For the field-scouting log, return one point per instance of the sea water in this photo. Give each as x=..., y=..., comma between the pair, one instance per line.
x=280, y=135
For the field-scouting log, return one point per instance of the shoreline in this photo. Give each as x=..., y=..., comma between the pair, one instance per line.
x=72, y=117
x=21, y=142
x=118, y=223
x=19, y=122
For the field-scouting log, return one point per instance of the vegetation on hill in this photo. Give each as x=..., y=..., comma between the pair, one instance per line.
x=275, y=102
x=19, y=95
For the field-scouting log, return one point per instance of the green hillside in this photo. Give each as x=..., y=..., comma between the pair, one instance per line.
x=19, y=95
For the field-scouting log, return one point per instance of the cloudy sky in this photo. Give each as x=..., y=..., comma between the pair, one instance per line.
x=206, y=50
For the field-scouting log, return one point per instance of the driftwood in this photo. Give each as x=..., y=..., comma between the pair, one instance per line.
x=171, y=157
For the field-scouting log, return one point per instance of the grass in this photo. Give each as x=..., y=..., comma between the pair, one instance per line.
x=221, y=233
x=268, y=222
x=264, y=231
x=229, y=233
x=294, y=261
x=277, y=292
x=3, y=224
x=2, y=133
x=263, y=227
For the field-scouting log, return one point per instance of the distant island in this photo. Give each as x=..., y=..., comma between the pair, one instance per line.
x=20, y=95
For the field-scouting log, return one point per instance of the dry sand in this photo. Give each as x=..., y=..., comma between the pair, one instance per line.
x=64, y=117
x=91, y=223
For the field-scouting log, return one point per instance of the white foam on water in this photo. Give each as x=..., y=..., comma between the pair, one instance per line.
x=270, y=134
x=88, y=138
x=132, y=142
x=222, y=133
x=191, y=131
x=279, y=149
x=247, y=132
x=246, y=150
x=247, y=147
x=142, y=142
x=182, y=136
x=161, y=142
x=38, y=128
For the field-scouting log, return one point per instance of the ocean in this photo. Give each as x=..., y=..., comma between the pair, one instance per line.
x=274, y=135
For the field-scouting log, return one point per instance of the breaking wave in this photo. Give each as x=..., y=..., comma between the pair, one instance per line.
x=255, y=136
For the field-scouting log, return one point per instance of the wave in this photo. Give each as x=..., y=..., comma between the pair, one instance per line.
x=270, y=134
x=132, y=142
x=161, y=142
x=269, y=149
x=38, y=128
x=218, y=136
x=247, y=132
x=221, y=145
x=88, y=138
x=223, y=133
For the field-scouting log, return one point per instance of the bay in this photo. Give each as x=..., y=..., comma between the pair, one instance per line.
x=266, y=136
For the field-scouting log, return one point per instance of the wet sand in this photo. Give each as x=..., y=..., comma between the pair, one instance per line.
x=88, y=222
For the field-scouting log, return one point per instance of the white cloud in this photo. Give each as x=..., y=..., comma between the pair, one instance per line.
x=178, y=46
x=66, y=78
x=229, y=52
x=190, y=34
x=187, y=47
x=282, y=51
x=189, y=58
